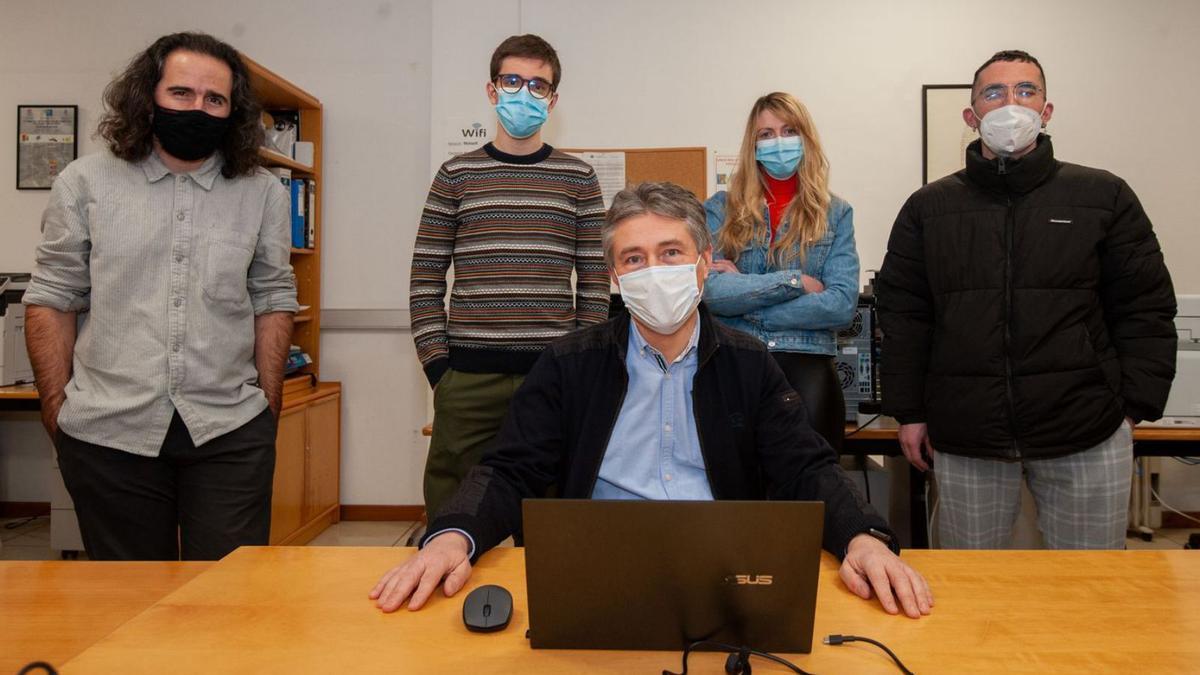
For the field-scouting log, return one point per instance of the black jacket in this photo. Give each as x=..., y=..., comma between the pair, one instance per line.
x=753, y=434
x=1025, y=308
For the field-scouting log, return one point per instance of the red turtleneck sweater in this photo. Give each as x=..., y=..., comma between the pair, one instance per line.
x=779, y=194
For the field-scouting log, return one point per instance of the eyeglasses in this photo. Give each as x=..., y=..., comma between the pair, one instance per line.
x=998, y=93
x=511, y=84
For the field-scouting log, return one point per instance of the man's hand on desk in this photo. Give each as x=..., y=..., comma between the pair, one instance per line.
x=870, y=565
x=445, y=556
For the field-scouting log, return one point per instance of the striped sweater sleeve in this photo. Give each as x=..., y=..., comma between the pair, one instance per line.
x=591, y=286
x=432, y=254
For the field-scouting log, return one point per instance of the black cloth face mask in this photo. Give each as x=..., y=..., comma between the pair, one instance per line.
x=188, y=134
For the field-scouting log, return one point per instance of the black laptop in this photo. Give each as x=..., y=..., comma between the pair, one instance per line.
x=663, y=574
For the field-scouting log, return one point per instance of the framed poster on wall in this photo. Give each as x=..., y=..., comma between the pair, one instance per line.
x=944, y=135
x=47, y=141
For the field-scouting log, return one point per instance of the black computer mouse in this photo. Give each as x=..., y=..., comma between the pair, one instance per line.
x=487, y=608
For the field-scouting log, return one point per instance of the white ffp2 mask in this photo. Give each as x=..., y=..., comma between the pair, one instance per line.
x=1010, y=129
x=661, y=297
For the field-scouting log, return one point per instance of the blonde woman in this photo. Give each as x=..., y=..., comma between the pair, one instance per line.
x=785, y=268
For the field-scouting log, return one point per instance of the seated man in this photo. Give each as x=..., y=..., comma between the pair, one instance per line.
x=668, y=405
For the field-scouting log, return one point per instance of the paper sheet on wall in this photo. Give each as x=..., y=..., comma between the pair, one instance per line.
x=724, y=164
x=610, y=170
x=464, y=134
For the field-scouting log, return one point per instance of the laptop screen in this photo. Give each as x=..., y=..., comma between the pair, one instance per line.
x=663, y=574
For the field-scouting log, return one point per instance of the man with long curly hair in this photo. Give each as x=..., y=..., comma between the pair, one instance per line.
x=160, y=312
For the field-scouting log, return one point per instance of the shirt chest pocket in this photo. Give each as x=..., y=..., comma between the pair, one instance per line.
x=226, y=265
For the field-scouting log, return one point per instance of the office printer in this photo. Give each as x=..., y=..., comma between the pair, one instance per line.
x=14, y=360
x=1183, y=405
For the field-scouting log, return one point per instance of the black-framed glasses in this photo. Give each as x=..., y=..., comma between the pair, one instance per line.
x=998, y=93
x=510, y=83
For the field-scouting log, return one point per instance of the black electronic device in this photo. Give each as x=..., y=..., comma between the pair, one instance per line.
x=665, y=574
x=487, y=609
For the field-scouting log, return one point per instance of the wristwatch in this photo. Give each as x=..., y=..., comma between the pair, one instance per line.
x=887, y=539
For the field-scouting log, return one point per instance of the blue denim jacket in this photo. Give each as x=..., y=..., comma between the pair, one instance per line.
x=770, y=303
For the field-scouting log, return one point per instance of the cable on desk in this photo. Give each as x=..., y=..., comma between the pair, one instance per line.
x=842, y=639
x=20, y=523
x=1170, y=508
x=863, y=426
x=866, y=478
x=38, y=665
x=738, y=661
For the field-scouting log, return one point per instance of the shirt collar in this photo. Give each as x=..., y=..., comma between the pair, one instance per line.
x=155, y=170
x=638, y=344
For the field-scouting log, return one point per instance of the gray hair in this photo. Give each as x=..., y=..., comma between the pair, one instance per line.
x=662, y=199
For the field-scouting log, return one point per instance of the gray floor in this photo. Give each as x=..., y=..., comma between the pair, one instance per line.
x=30, y=539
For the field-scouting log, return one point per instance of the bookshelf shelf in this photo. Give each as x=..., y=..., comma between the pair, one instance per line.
x=272, y=158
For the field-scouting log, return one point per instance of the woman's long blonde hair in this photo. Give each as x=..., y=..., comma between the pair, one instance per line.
x=804, y=217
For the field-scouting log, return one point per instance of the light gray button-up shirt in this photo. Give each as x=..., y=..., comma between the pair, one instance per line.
x=167, y=273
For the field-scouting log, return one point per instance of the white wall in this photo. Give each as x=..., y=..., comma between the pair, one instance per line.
x=636, y=74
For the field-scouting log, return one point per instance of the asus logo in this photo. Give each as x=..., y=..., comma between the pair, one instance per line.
x=751, y=579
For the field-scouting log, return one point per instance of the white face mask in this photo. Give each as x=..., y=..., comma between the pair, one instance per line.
x=661, y=297
x=1010, y=129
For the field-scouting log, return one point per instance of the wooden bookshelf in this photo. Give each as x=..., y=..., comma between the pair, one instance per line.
x=276, y=93
x=305, y=497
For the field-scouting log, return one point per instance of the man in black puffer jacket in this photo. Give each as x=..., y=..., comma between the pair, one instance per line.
x=1028, y=324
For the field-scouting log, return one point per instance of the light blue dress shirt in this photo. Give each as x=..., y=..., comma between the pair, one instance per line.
x=654, y=450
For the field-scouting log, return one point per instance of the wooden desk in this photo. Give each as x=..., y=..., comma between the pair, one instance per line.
x=305, y=610
x=879, y=438
x=51, y=611
x=19, y=392
x=19, y=397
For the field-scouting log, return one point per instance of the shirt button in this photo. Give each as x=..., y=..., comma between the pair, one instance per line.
x=771, y=343
x=178, y=302
x=179, y=216
x=667, y=427
x=667, y=477
x=175, y=347
x=668, y=376
x=178, y=258
x=793, y=281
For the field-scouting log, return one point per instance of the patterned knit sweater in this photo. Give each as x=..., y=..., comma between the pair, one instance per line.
x=515, y=228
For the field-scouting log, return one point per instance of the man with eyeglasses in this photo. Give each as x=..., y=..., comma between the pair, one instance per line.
x=1028, y=325
x=516, y=218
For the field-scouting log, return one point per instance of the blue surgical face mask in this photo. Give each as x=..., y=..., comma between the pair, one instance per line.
x=779, y=156
x=521, y=114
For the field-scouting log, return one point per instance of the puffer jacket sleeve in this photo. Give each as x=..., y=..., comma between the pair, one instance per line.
x=1139, y=308
x=906, y=315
